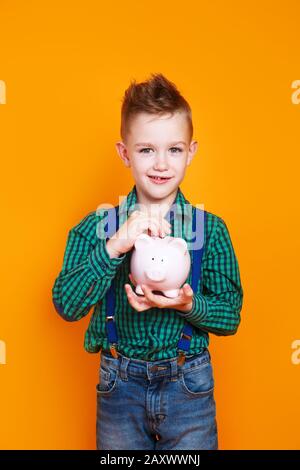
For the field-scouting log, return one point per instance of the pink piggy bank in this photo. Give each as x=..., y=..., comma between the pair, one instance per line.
x=162, y=264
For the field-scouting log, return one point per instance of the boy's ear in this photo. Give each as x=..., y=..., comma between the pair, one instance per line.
x=122, y=151
x=192, y=150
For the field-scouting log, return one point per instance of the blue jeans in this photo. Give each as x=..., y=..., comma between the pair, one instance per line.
x=156, y=405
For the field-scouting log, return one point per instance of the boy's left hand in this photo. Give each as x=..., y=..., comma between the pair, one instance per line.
x=183, y=302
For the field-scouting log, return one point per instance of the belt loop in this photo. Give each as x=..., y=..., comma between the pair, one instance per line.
x=174, y=368
x=124, y=361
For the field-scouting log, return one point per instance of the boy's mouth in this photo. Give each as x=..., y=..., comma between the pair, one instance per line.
x=159, y=179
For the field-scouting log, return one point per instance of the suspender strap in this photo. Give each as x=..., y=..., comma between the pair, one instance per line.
x=184, y=342
x=111, y=329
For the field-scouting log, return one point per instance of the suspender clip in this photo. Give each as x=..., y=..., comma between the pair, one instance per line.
x=109, y=318
x=113, y=351
x=185, y=336
x=181, y=358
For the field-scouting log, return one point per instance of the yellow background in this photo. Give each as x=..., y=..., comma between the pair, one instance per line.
x=66, y=65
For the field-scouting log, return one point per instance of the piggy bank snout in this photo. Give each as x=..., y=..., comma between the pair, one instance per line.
x=156, y=275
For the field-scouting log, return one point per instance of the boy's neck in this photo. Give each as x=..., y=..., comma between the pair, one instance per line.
x=160, y=205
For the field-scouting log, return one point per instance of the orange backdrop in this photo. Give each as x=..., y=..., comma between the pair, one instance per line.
x=64, y=67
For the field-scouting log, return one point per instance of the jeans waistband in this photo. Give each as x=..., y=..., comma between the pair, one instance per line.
x=149, y=369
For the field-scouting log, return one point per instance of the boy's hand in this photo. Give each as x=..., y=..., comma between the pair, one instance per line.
x=138, y=222
x=183, y=302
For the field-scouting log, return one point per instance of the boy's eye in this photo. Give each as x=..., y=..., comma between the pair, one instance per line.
x=172, y=148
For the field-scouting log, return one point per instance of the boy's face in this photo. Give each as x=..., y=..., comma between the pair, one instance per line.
x=158, y=146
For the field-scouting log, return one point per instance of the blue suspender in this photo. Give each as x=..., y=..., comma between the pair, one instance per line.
x=186, y=335
x=185, y=338
x=111, y=328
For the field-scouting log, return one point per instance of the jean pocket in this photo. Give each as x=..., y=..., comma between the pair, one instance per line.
x=198, y=382
x=108, y=378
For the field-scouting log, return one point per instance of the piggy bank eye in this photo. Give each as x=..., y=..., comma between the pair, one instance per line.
x=162, y=259
x=152, y=258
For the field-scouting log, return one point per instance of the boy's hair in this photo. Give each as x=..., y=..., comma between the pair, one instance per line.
x=155, y=96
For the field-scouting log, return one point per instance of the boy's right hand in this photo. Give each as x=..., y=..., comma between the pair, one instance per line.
x=138, y=222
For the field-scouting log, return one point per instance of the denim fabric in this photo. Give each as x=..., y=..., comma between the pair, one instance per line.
x=156, y=405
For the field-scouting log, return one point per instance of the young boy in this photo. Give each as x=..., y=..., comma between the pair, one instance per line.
x=151, y=393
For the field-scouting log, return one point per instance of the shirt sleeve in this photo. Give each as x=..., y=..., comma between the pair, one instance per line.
x=87, y=271
x=217, y=308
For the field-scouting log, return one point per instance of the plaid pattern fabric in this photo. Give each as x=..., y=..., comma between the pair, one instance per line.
x=88, y=270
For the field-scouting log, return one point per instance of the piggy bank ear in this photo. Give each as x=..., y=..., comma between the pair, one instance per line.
x=179, y=243
x=142, y=241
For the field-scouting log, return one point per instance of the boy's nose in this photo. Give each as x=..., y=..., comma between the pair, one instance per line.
x=160, y=163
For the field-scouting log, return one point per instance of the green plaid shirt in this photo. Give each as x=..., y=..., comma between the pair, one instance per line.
x=153, y=334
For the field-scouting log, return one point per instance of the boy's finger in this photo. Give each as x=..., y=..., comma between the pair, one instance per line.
x=147, y=292
x=130, y=292
x=128, y=289
x=152, y=297
x=130, y=296
x=188, y=292
x=134, y=300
